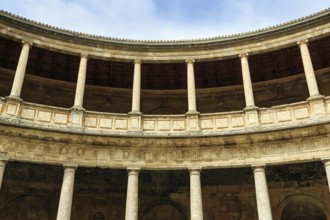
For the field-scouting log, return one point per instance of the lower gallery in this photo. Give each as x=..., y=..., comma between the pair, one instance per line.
x=97, y=128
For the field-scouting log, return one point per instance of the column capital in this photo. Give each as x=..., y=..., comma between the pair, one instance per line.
x=302, y=42
x=242, y=55
x=326, y=161
x=133, y=170
x=137, y=61
x=195, y=170
x=3, y=156
x=258, y=167
x=192, y=61
x=70, y=166
x=84, y=55
x=25, y=42
x=3, y=162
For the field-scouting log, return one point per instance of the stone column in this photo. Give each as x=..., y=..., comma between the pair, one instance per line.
x=132, y=194
x=136, y=87
x=196, y=204
x=80, y=88
x=20, y=71
x=247, y=84
x=2, y=170
x=309, y=70
x=191, y=87
x=65, y=204
x=263, y=203
x=327, y=170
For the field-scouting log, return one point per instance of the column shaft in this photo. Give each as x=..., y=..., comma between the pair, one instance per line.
x=327, y=170
x=65, y=204
x=2, y=170
x=191, y=87
x=136, y=87
x=132, y=195
x=80, y=88
x=247, y=84
x=308, y=68
x=263, y=202
x=196, y=204
x=20, y=71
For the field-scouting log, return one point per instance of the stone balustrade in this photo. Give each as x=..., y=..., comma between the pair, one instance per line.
x=262, y=119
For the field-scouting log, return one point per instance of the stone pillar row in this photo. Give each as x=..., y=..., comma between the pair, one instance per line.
x=196, y=204
x=192, y=108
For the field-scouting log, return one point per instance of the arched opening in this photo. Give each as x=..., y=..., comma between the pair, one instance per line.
x=303, y=207
x=98, y=216
x=164, y=209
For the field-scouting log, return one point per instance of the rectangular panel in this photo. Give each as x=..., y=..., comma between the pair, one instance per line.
x=237, y=121
x=149, y=125
x=106, y=123
x=28, y=113
x=44, y=116
x=121, y=124
x=61, y=118
x=267, y=117
x=284, y=115
x=179, y=125
x=90, y=122
x=301, y=113
x=164, y=125
x=206, y=124
x=221, y=122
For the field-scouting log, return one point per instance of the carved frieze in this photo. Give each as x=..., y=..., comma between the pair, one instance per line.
x=163, y=152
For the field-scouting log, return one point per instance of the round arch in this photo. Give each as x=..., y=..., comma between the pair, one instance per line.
x=302, y=207
x=164, y=202
x=27, y=205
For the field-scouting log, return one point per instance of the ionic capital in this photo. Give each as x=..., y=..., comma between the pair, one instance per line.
x=3, y=162
x=70, y=166
x=190, y=61
x=326, y=161
x=137, y=61
x=258, y=167
x=133, y=170
x=25, y=42
x=84, y=55
x=195, y=170
x=302, y=42
x=242, y=55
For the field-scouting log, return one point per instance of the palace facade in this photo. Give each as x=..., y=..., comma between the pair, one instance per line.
x=234, y=127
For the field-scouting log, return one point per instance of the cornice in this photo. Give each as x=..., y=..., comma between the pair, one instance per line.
x=59, y=33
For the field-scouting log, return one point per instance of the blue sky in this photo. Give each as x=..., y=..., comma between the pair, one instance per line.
x=163, y=19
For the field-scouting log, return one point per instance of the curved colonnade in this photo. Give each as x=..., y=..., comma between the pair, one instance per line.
x=255, y=136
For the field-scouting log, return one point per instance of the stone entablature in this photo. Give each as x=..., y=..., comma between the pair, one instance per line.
x=293, y=115
x=312, y=27
x=270, y=148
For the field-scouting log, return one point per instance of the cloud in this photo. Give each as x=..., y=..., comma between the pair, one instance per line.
x=163, y=19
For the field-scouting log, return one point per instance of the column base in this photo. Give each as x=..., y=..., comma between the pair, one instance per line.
x=251, y=107
x=317, y=106
x=135, y=123
x=315, y=97
x=192, y=112
x=76, y=117
x=252, y=117
x=193, y=124
x=16, y=98
x=135, y=113
x=77, y=108
x=12, y=107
